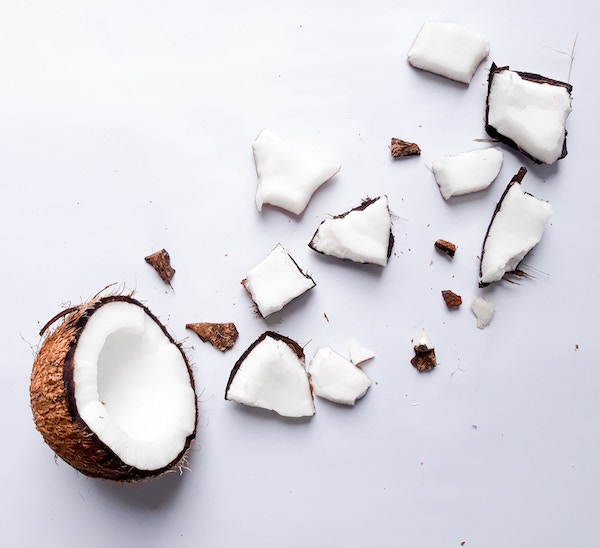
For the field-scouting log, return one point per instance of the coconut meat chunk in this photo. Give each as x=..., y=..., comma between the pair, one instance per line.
x=132, y=386
x=528, y=112
x=467, y=172
x=516, y=227
x=271, y=375
x=449, y=50
x=276, y=281
x=288, y=175
x=483, y=310
x=362, y=235
x=358, y=353
x=336, y=379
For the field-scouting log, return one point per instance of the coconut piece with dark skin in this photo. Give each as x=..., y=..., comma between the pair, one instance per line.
x=400, y=148
x=220, y=335
x=445, y=247
x=451, y=299
x=161, y=262
x=424, y=359
x=57, y=406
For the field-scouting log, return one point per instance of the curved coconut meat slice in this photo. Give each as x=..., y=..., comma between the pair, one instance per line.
x=112, y=393
x=362, y=235
x=529, y=113
x=359, y=354
x=516, y=227
x=449, y=50
x=336, y=379
x=276, y=281
x=288, y=175
x=467, y=172
x=271, y=375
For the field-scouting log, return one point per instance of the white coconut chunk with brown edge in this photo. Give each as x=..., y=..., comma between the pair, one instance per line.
x=528, y=112
x=271, y=374
x=483, y=310
x=336, y=379
x=358, y=353
x=449, y=50
x=276, y=281
x=467, y=172
x=517, y=225
x=363, y=234
x=112, y=393
x=288, y=175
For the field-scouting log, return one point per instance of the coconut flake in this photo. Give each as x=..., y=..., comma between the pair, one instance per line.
x=271, y=375
x=336, y=379
x=467, y=172
x=516, y=227
x=276, y=281
x=161, y=262
x=424, y=359
x=220, y=335
x=483, y=310
x=359, y=354
x=449, y=50
x=529, y=113
x=288, y=175
x=362, y=234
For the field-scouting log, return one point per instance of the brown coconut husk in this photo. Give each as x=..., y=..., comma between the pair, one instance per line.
x=54, y=409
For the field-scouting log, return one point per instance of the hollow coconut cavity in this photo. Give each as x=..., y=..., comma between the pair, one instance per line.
x=112, y=393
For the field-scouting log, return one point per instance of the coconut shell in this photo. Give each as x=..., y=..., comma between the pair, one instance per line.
x=55, y=414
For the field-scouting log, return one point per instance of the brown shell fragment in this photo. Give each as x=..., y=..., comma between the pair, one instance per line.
x=400, y=148
x=424, y=359
x=161, y=262
x=445, y=247
x=451, y=299
x=220, y=335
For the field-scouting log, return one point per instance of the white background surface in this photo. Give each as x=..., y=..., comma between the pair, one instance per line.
x=125, y=127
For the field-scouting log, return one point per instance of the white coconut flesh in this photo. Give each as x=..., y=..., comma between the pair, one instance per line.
x=132, y=386
x=272, y=376
x=516, y=227
x=276, y=281
x=288, y=175
x=362, y=235
x=448, y=50
x=358, y=353
x=532, y=114
x=483, y=310
x=336, y=379
x=467, y=172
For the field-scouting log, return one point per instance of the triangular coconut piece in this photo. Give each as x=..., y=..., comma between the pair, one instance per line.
x=288, y=175
x=528, y=112
x=516, y=227
x=359, y=354
x=336, y=379
x=362, y=234
x=467, y=172
x=271, y=375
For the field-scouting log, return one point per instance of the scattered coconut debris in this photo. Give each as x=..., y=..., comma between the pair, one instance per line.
x=271, y=374
x=359, y=354
x=336, y=379
x=466, y=172
x=451, y=299
x=528, y=112
x=112, y=393
x=424, y=359
x=483, y=310
x=363, y=234
x=400, y=148
x=161, y=262
x=276, y=281
x=517, y=225
x=287, y=175
x=449, y=50
x=220, y=335
x=445, y=247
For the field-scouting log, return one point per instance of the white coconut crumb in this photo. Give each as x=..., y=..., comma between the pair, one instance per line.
x=483, y=310
x=425, y=341
x=288, y=175
x=276, y=281
x=467, y=172
x=337, y=379
x=449, y=50
x=359, y=354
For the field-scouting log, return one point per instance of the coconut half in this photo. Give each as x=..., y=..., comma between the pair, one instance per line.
x=112, y=393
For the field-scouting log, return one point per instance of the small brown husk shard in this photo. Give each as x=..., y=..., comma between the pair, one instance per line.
x=446, y=247
x=451, y=299
x=400, y=148
x=161, y=262
x=424, y=359
x=220, y=335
